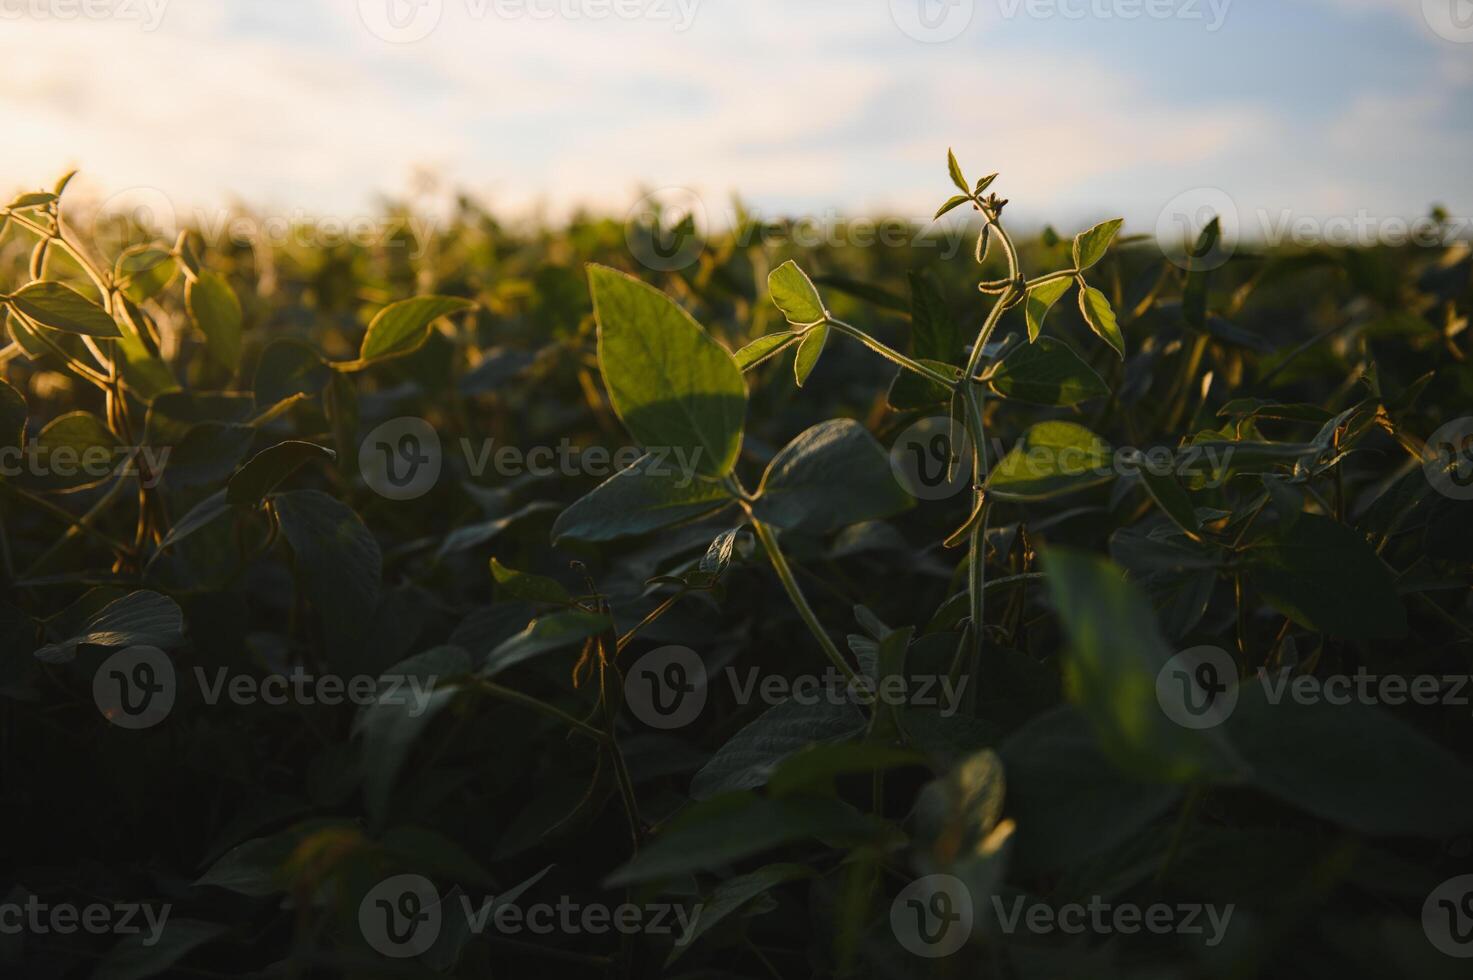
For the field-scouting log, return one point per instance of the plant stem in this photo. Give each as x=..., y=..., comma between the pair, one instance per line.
x=800, y=602
x=890, y=354
x=536, y=704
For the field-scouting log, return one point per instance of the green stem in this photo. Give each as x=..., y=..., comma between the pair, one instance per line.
x=890, y=354
x=538, y=705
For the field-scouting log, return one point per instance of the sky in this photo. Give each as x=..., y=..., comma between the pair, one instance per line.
x=1272, y=109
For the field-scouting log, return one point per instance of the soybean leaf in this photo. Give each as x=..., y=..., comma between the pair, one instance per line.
x=474, y=535
x=1115, y=653
x=730, y=896
x=1046, y=373
x=199, y=516
x=795, y=295
x=671, y=384
x=60, y=307
x=748, y=759
x=812, y=769
x=910, y=391
x=268, y=468
x=936, y=334
x=1325, y=577
x=1052, y=458
x=832, y=475
x=809, y=351
x=1101, y=318
x=144, y=271
x=289, y=367
x=952, y=203
x=1090, y=246
x=391, y=725
x=1041, y=300
x=32, y=199
x=763, y=348
x=216, y=311
x=138, y=619
x=73, y=452
x=544, y=635
x=647, y=496
x=1173, y=500
x=13, y=414
x=1354, y=764
x=525, y=585
x=403, y=327
x=729, y=828
x=955, y=170
x=338, y=564
x=144, y=955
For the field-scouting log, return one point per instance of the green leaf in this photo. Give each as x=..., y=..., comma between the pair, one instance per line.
x=1325, y=577
x=812, y=769
x=60, y=307
x=13, y=414
x=1041, y=300
x=34, y=199
x=809, y=351
x=763, y=348
x=955, y=170
x=267, y=469
x=390, y=726
x=730, y=828
x=146, y=375
x=832, y=475
x=402, y=328
x=143, y=955
x=1052, y=458
x=730, y=896
x=671, y=384
x=910, y=391
x=1046, y=373
x=952, y=203
x=647, y=496
x=525, y=585
x=339, y=568
x=935, y=332
x=144, y=271
x=289, y=367
x=749, y=758
x=73, y=452
x=1115, y=652
x=1354, y=764
x=1101, y=318
x=544, y=635
x=216, y=311
x=1173, y=500
x=1091, y=246
x=794, y=293
x=138, y=619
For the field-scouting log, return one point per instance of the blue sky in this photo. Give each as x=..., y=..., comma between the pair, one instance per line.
x=1281, y=107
